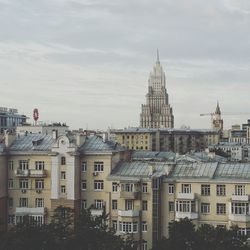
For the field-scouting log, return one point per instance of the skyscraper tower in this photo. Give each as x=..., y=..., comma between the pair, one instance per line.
x=157, y=113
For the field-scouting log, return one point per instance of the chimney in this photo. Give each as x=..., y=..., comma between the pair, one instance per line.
x=105, y=137
x=54, y=134
x=80, y=139
x=9, y=138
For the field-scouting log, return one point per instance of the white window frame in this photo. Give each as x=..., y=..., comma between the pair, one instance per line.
x=240, y=190
x=23, y=202
x=63, y=175
x=84, y=166
x=10, y=165
x=98, y=185
x=39, y=202
x=144, y=187
x=205, y=208
x=63, y=189
x=220, y=190
x=144, y=226
x=186, y=188
x=99, y=204
x=98, y=166
x=84, y=185
x=23, y=164
x=39, y=183
x=170, y=188
x=39, y=165
x=23, y=183
x=10, y=183
x=114, y=187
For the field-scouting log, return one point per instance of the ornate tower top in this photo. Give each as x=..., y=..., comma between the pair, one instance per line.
x=217, y=110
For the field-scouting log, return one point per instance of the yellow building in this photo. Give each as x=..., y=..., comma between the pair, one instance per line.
x=142, y=191
x=176, y=140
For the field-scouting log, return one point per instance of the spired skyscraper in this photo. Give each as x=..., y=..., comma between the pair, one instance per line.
x=157, y=113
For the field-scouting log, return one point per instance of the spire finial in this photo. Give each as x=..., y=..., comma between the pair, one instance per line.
x=158, y=58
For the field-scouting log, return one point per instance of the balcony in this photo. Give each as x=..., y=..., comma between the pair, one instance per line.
x=37, y=173
x=22, y=173
x=96, y=212
x=129, y=195
x=30, y=210
x=239, y=217
x=189, y=215
x=128, y=213
x=240, y=197
x=185, y=196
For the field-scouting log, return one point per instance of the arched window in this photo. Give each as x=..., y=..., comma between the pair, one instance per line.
x=63, y=160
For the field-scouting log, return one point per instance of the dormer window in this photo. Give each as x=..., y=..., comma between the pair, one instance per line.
x=63, y=160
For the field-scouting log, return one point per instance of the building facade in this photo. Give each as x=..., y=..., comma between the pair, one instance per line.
x=157, y=113
x=9, y=119
x=142, y=191
x=175, y=140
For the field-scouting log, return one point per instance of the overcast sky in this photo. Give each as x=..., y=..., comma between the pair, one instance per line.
x=87, y=62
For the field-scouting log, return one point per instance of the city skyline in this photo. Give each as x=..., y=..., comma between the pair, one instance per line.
x=87, y=63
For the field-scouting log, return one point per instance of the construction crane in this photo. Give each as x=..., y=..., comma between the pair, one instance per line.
x=230, y=114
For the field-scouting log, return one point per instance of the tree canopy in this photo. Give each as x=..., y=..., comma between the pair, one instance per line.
x=65, y=231
x=184, y=236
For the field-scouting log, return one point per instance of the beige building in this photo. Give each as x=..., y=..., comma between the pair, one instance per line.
x=142, y=192
x=157, y=113
x=176, y=140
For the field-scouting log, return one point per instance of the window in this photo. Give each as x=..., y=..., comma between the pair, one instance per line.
x=23, y=184
x=11, y=219
x=128, y=227
x=144, y=245
x=171, y=206
x=144, y=187
x=98, y=204
x=239, y=208
x=39, y=202
x=39, y=165
x=10, y=202
x=84, y=166
x=220, y=190
x=63, y=189
x=128, y=187
x=83, y=204
x=205, y=208
x=10, y=183
x=114, y=187
x=220, y=208
x=39, y=184
x=114, y=224
x=144, y=226
x=23, y=202
x=23, y=165
x=63, y=160
x=84, y=185
x=98, y=166
x=170, y=188
x=129, y=205
x=239, y=189
x=186, y=188
x=244, y=231
x=63, y=175
x=144, y=205
x=114, y=204
x=205, y=190
x=98, y=185
x=185, y=206
x=10, y=165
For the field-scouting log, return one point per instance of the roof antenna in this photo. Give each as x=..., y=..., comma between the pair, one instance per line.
x=158, y=58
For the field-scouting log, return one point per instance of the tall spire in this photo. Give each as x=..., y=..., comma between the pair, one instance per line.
x=157, y=58
x=217, y=111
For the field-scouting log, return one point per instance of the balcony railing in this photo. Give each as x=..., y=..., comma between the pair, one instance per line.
x=30, y=210
x=37, y=173
x=96, y=212
x=189, y=215
x=30, y=173
x=239, y=217
x=128, y=213
x=240, y=197
x=186, y=196
x=22, y=173
x=129, y=195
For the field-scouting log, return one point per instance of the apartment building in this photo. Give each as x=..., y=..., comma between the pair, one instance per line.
x=176, y=140
x=141, y=192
